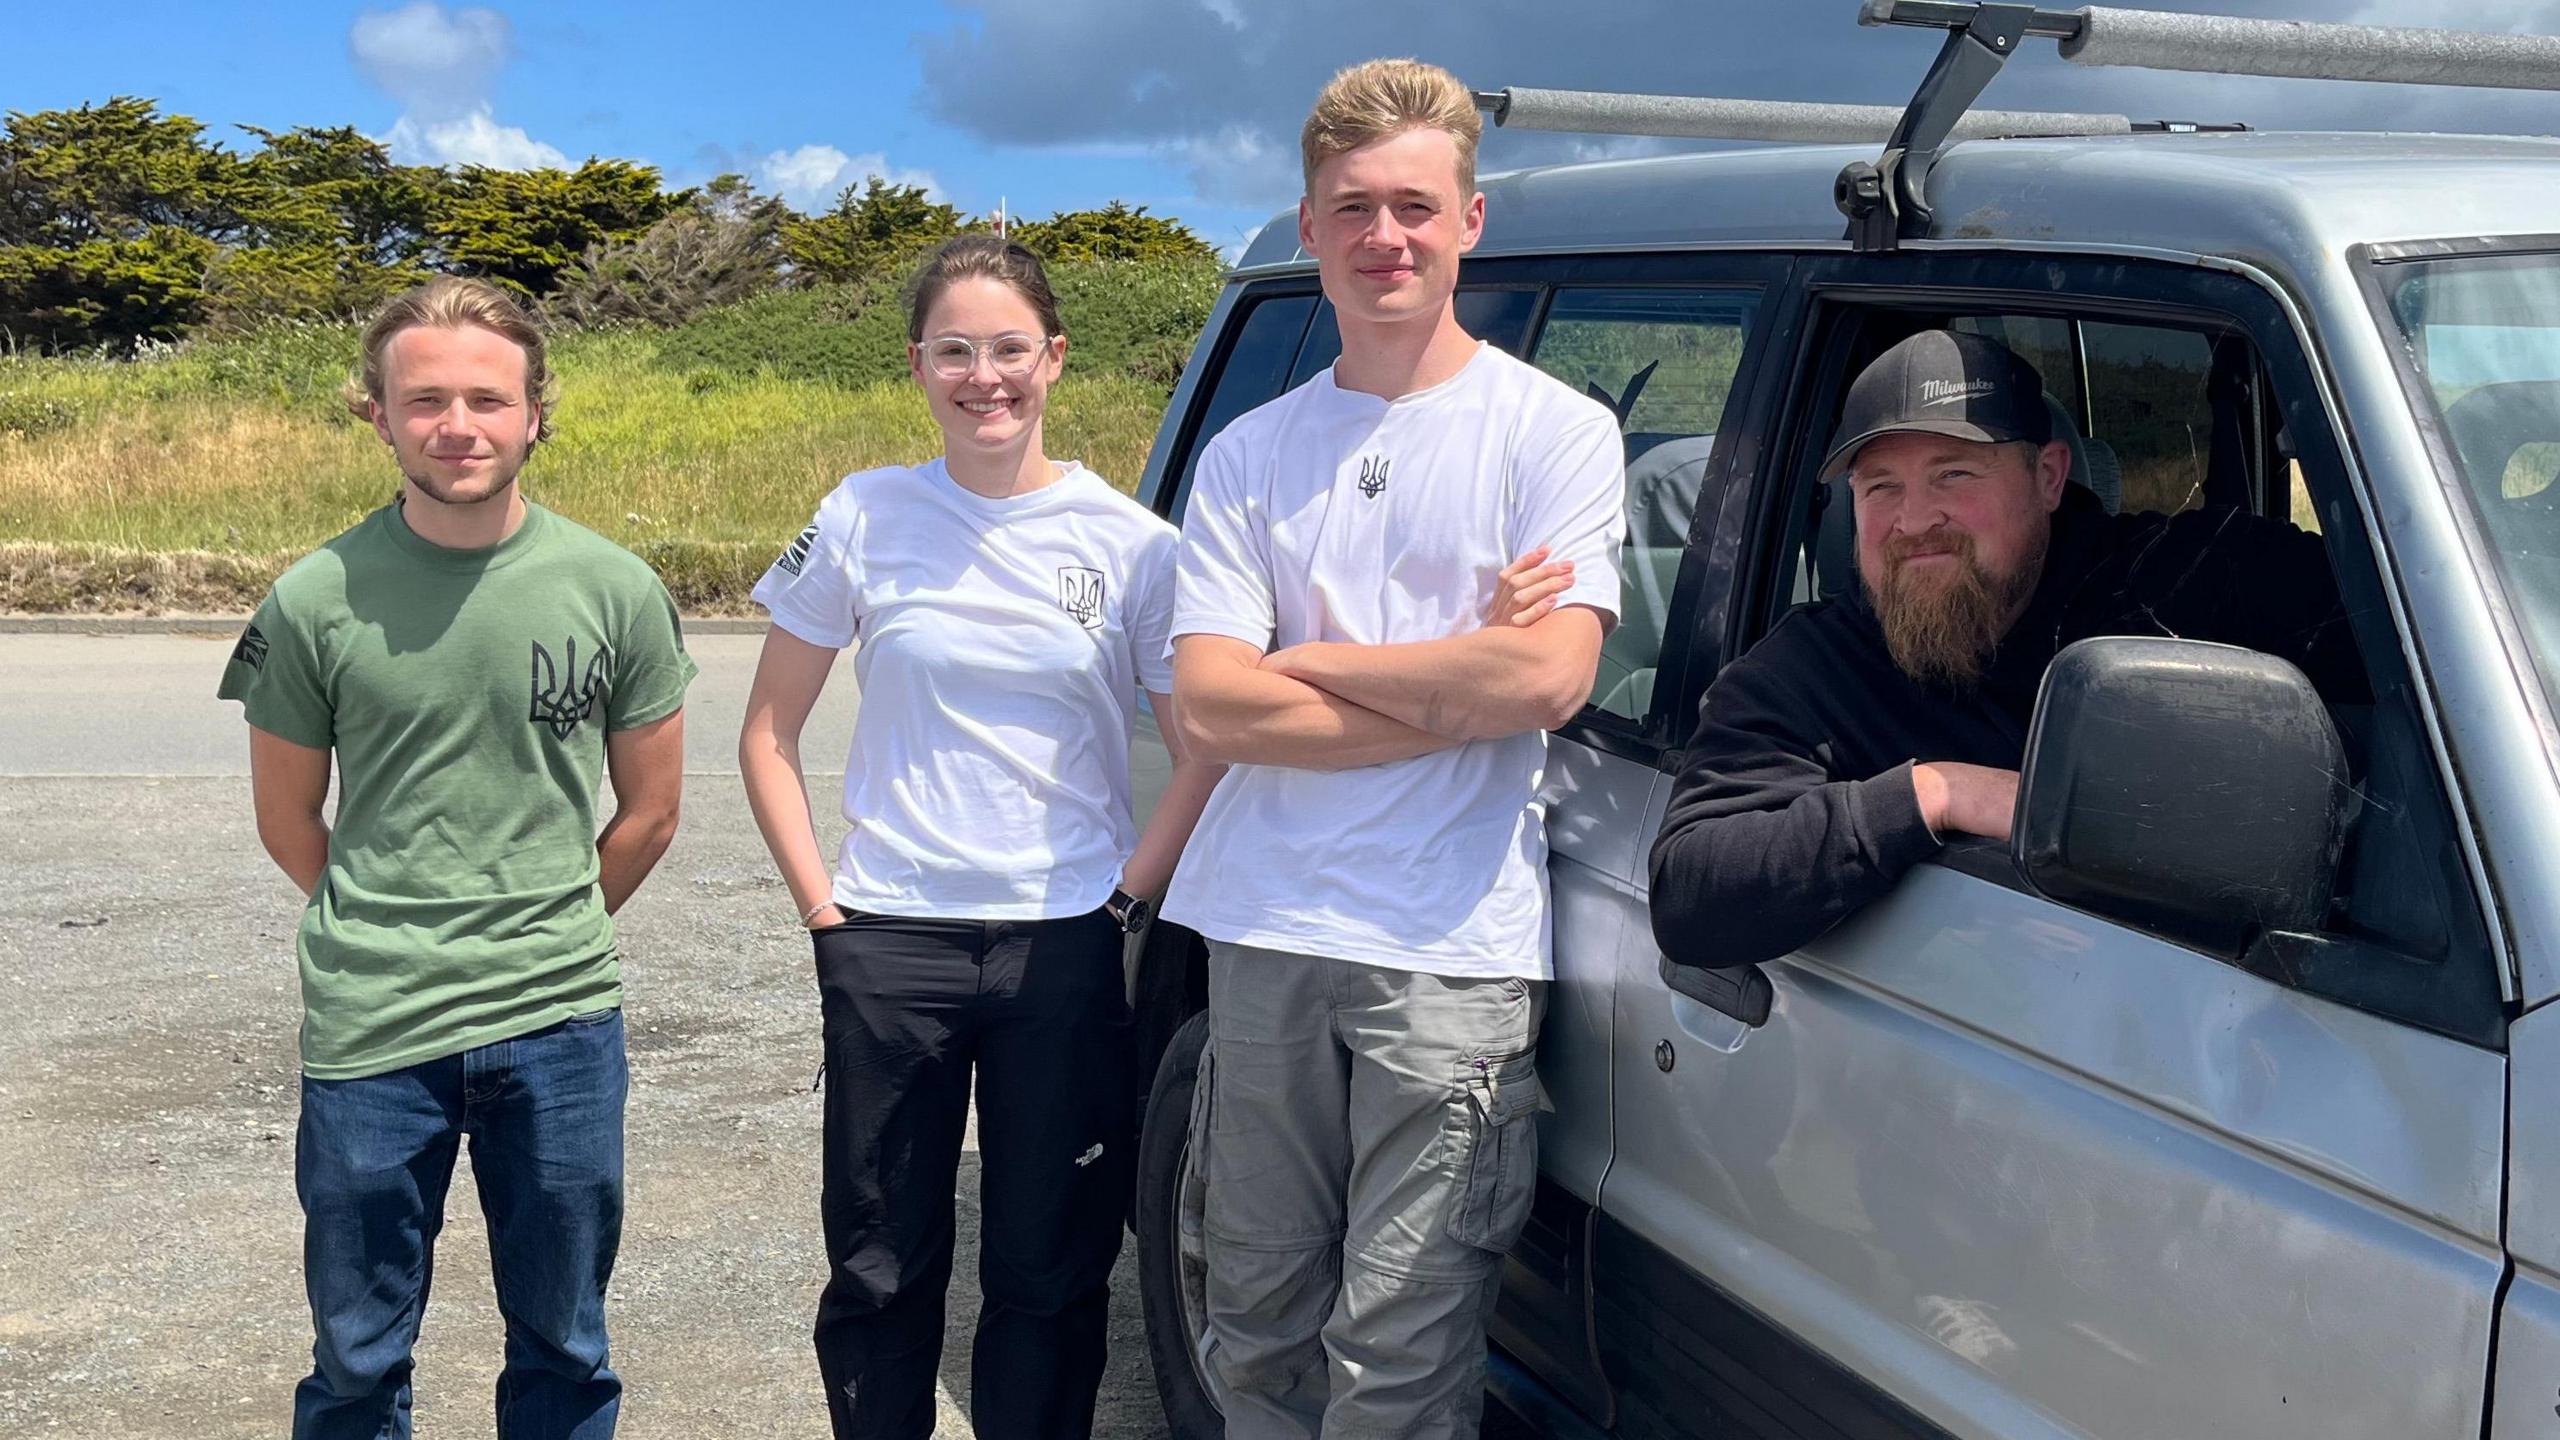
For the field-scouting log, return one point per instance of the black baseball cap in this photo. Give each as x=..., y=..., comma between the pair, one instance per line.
x=1942, y=382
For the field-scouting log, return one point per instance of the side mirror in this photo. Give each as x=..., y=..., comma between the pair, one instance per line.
x=2196, y=790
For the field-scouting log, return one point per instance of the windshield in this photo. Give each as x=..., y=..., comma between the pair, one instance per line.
x=2484, y=334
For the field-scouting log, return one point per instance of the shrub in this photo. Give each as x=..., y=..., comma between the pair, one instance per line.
x=299, y=365
x=247, y=290
x=849, y=334
x=1136, y=319
x=684, y=265
x=27, y=415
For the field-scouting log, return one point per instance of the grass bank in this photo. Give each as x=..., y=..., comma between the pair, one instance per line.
x=185, y=481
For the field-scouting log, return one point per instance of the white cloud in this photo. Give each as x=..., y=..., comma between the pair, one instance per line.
x=442, y=66
x=1237, y=164
x=429, y=58
x=1218, y=88
x=475, y=139
x=812, y=176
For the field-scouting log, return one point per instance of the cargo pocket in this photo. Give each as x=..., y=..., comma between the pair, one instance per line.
x=1195, y=1160
x=1502, y=1100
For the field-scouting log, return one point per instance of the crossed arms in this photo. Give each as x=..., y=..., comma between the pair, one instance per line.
x=1327, y=705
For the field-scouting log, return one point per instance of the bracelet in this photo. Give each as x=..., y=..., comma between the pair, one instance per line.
x=812, y=912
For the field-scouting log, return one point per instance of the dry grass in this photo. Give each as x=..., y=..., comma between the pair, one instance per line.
x=165, y=485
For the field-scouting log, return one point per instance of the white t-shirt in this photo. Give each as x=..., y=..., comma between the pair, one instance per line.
x=1003, y=646
x=1330, y=514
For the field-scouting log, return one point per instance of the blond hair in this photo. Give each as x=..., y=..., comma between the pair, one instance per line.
x=452, y=302
x=1382, y=99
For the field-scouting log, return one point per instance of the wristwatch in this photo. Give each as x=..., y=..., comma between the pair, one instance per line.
x=1129, y=912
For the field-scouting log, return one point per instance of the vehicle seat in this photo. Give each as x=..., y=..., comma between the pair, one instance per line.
x=2490, y=425
x=1664, y=472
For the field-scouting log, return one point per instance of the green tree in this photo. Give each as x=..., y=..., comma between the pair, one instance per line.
x=246, y=288
x=522, y=228
x=1117, y=231
x=338, y=186
x=877, y=229
x=115, y=171
x=110, y=293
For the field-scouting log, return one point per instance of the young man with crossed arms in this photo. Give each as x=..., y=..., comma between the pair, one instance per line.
x=1371, y=875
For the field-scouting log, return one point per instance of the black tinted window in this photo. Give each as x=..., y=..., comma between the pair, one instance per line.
x=1256, y=370
x=1497, y=317
x=2148, y=399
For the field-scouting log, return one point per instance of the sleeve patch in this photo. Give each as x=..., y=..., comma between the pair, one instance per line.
x=796, y=557
x=252, y=649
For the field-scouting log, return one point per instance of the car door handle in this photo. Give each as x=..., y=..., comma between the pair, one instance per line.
x=1741, y=992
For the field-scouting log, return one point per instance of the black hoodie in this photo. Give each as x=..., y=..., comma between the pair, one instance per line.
x=1795, y=805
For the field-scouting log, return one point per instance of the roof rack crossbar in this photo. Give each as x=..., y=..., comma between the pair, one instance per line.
x=2281, y=49
x=1890, y=196
x=2312, y=50
x=1597, y=112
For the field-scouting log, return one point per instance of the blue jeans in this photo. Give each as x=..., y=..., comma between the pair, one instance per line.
x=371, y=1163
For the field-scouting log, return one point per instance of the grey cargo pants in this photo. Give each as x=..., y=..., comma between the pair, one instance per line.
x=1365, y=1146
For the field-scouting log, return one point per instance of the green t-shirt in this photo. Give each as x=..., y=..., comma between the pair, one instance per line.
x=467, y=694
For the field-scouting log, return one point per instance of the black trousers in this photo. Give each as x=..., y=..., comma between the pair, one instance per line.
x=1037, y=1009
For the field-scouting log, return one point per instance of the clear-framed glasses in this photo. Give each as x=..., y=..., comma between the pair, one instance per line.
x=955, y=357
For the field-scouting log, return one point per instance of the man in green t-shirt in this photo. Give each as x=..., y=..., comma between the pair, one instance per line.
x=476, y=664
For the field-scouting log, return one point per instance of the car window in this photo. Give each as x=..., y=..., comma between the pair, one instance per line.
x=2047, y=342
x=2135, y=403
x=2148, y=401
x=2171, y=417
x=1255, y=371
x=1663, y=360
x=1499, y=317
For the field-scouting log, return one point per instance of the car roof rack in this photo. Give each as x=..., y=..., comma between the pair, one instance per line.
x=1889, y=196
x=1606, y=112
x=1886, y=199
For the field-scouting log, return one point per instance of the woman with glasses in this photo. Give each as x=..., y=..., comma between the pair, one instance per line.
x=1009, y=608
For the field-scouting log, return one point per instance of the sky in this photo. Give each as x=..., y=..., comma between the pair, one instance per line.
x=1188, y=107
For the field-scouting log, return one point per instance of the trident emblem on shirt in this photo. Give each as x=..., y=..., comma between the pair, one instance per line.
x=561, y=695
x=1373, y=475
x=1080, y=594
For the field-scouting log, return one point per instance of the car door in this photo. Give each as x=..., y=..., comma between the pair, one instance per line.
x=1668, y=344
x=1976, y=1163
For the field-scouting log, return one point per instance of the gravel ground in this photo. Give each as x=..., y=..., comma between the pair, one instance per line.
x=150, y=1277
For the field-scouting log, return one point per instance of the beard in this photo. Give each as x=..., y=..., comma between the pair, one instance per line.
x=500, y=480
x=1941, y=628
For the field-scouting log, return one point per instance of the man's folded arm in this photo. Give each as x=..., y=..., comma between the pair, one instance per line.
x=1483, y=685
x=1232, y=711
x=1762, y=850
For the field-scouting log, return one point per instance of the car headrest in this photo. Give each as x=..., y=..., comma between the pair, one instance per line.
x=2489, y=425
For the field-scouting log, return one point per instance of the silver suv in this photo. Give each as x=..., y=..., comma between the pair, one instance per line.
x=2224, y=1102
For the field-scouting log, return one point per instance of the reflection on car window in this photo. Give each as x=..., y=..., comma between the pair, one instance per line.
x=1499, y=318
x=1256, y=371
x=1662, y=360
x=2485, y=335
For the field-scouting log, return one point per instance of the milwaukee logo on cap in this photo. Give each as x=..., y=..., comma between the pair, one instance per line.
x=1945, y=392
